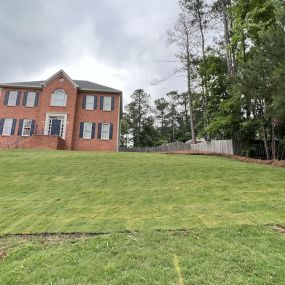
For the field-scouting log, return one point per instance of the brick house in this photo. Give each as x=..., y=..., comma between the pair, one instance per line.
x=60, y=113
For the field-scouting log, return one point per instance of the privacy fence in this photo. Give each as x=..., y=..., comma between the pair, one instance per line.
x=255, y=150
x=220, y=146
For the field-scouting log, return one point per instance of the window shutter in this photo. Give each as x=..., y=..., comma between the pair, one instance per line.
x=95, y=103
x=20, y=127
x=25, y=98
x=111, y=131
x=112, y=103
x=81, y=129
x=84, y=102
x=32, y=127
x=93, y=131
x=18, y=98
x=101, y=102
x=13, y=127
x=99, y=130
x=1, y=125
x=6, y=98
x=37, y=99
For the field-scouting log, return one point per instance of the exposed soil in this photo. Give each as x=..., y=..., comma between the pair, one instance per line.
x=277, y=163
x=2, y=254
x=280, y=229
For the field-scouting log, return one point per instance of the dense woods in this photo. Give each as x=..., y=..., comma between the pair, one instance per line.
x=232, y=54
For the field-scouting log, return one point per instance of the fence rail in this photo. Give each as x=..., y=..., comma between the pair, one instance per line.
x=220, y=146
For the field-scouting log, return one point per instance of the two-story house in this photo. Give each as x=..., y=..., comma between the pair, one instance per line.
x=60, y=113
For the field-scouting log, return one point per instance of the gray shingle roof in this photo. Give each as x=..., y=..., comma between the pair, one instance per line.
x=82, y=84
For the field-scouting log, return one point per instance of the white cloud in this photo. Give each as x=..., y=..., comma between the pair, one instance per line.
x=114, y=43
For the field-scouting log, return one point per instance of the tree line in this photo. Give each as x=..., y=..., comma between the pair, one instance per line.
x=232, y=54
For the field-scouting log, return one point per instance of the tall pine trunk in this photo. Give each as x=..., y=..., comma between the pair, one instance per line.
x=188, y=55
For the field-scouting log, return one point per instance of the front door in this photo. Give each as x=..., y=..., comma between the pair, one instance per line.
x=55, y=127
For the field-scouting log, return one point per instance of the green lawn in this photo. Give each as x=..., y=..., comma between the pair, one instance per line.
x=193, y=219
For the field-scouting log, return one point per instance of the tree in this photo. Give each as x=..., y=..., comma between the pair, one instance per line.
x=182, y=35
x=198, y=11
x=138, y=116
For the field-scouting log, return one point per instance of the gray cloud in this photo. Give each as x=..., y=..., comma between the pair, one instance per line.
x=124, y=36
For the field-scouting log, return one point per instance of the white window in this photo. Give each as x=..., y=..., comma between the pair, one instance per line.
x=105, y=131
x=87, y=131
x=58, y=98
x=7, y=128
x=107, y=103
x=31, y=97
x=12, y=101
x=89, y=102
x=26, y=130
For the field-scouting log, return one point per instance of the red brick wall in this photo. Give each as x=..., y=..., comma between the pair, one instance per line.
x=18, y=112
x=75, y=115
x=97, y=116
x=43, y=142
x=45, y=107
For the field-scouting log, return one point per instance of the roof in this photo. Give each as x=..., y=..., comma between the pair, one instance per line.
x=83, y=85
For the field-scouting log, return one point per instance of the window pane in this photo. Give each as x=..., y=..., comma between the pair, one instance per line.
x=89, y=102
x=31, y=99
x=107, y=103
x=87, y=130
x=26, y=131
x=7, y=127
x=12, y=98
x=105, y=131
x=58, y=98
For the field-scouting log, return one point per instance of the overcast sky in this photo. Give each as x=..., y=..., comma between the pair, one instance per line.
x=112, y=42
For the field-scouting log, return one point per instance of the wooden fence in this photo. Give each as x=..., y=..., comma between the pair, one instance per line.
x=220, y=146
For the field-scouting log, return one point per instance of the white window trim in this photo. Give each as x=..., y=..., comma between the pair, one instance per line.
x=107, y=110
x=48, y=115
x=91, y=125
x=91, y=108
x=12, y=105
x=33, y=105
x=105, y=139
x=22, y=133
x=52, y=99
x=7, y=135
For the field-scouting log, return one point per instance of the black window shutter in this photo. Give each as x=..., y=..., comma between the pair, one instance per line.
x=112, y=103
x=37, y=99
x=81, y=129
x=1, y=125
x=25, y=98
x=18, y=98
x=6, y=98
x=32, y=127
x=95, y=103
x=101, y=102
x=20, y=127
x=84, y=102
x=111, y=131
x=93, y=131
x=99, y=130
x=13, y=127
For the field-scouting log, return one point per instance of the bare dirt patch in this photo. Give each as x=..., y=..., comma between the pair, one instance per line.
x=3, y=254
x=277, y=163
x=280, y=229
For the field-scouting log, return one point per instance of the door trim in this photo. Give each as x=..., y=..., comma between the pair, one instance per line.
x=64, y=121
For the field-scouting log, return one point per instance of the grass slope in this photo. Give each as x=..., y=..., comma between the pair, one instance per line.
x=224, y=205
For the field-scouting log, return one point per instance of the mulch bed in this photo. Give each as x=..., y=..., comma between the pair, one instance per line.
x=236, y=157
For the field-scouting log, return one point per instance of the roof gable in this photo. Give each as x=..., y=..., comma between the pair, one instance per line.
x=60, y=73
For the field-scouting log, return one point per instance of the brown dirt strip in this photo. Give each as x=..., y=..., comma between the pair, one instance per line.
x=277, y=163
x=280, y=229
